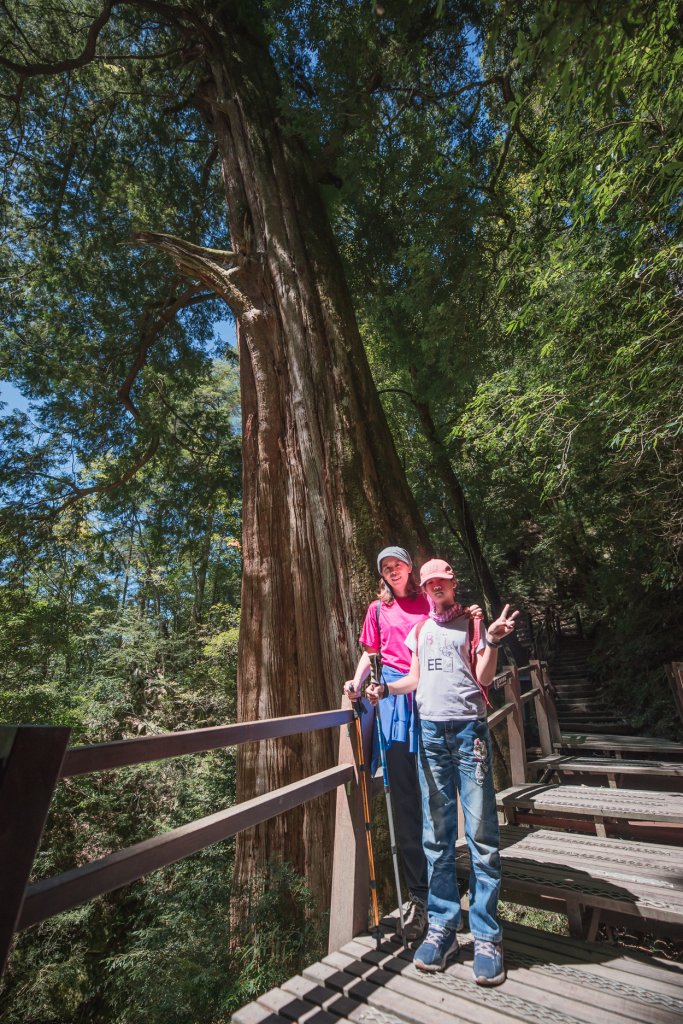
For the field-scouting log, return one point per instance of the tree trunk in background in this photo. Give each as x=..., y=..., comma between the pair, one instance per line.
x=461, y=511
x=323, y=485
x=201, y=571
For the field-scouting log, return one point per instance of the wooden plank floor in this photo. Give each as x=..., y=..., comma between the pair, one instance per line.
x=594, y=801
x=551, y=980
x=621, y=878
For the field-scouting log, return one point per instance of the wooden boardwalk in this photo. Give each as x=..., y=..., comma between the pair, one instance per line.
x=578, y=698
x=591, y=879
x=551, y=980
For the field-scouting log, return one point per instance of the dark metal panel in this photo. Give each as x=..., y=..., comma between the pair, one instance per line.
x=65, y=891
x=118, y=754
x=32, y=756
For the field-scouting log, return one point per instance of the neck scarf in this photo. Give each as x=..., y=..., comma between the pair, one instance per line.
x=446, y=615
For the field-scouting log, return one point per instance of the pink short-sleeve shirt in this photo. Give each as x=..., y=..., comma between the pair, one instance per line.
x=395, y=622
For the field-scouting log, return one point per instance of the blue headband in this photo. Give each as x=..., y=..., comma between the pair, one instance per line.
x=399, y=553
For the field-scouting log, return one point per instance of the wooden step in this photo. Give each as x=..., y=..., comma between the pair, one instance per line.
x=610, y=767
x=621, y=744
x=597, y=804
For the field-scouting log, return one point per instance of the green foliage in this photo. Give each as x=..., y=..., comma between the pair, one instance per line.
x=509, y=217
x=282, y=932
x=544, y=920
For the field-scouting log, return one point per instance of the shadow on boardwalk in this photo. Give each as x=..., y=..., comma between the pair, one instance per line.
x=550, y=979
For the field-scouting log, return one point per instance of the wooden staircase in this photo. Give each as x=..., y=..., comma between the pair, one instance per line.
x=580, y=704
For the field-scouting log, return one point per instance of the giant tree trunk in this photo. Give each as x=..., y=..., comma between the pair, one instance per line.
x=323, y=486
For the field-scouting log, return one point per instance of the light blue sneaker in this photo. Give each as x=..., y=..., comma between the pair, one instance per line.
x=440, y=946
x=488, y=967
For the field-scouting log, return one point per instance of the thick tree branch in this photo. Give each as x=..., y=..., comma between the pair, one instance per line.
x=57, y=67
x=190, y=297
x=200, y=201
x=505, y=149
x=84, y=492
x=415, y=91
x=217, y=269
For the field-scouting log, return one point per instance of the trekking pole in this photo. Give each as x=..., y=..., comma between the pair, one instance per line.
x=387, y=796
x=358, y=709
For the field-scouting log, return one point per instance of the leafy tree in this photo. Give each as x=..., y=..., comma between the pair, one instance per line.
x=122, y=124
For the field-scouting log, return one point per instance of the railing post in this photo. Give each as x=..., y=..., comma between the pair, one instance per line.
x=674, y=673
x=350, y=876
x=515, y=724
x=31, y=760
x=551, y=710
x=541, y=709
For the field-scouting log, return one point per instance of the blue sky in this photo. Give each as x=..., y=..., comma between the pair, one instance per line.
x=13, y=397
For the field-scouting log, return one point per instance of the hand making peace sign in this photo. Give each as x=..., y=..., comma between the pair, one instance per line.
x=503, y=625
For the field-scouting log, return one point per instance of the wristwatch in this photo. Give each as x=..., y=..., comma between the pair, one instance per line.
x=493, y=643
x=385, y=691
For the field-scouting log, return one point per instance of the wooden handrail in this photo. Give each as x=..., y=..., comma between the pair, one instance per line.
x=55, y=895
x=141, y=749
x=68, y=890
x=34, y=759
x=500, y=714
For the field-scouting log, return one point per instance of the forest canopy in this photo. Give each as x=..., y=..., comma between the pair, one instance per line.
x=449, y=236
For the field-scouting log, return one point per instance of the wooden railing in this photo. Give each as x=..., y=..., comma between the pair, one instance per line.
x=541, y=694
x=34, y=758
x=545, y=632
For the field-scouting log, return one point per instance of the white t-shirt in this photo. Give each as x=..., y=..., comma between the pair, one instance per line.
x=447, y=688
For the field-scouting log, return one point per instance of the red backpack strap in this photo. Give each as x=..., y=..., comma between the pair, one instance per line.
x=474, y=632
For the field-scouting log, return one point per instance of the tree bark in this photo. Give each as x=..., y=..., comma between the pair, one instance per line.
x=323, y=487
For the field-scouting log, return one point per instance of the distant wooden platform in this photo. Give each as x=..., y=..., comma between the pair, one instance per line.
x=562, y=804
x=612, y=768
x=618, y=745
x=551, y=980
x=592, y=879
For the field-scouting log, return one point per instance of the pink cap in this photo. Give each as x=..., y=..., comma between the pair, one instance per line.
x=436, y=569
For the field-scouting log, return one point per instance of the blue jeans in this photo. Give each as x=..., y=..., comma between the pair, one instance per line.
x=455, y=757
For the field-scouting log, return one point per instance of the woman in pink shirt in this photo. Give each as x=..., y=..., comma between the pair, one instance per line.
x=388, y=620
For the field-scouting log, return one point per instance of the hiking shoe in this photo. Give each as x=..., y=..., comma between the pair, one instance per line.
x=440, y=945
x=415, y=920
x=488, y=967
